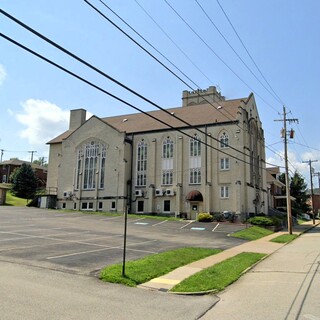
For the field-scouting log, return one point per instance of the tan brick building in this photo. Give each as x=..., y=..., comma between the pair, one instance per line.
x=212, y=161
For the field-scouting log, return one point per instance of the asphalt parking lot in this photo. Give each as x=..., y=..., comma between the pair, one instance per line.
x=84, y=243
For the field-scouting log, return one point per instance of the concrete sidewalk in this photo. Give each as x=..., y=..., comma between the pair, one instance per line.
x=263, y=245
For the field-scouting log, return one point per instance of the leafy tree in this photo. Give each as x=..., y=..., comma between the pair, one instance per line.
x=41, y=162
x=24, y=182
x=298, y=190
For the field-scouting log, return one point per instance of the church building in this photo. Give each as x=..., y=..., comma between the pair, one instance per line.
x=207, y=155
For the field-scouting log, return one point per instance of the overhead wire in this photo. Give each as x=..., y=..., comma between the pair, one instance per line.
x=234, y=51
x=109, y=77
x=250, y=56
x=211, y=49
x=114, y=96
x=155, y=58
x=126, y=34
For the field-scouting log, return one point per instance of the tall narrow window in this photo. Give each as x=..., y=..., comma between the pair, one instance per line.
x=224, y=140
x=142, y=164
x=195, y=160
x=91, y=160
x=78, y=171
x=224, y=164
x=224, y=192
x=167, y=161
x=102, y=165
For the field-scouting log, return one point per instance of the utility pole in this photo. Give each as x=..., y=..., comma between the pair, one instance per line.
x=284, y=135
x=1, y=154
x=32, y=152
x=311, y=183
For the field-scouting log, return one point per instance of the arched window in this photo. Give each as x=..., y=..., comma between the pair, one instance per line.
x=224, y=140
x=167, y=161
x=195, y=160
x=91, y=160
x=142, y=153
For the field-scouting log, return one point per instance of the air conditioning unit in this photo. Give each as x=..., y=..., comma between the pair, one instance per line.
x=159, y=192
x=169, y=192
x=138, y=193
x=66, y=194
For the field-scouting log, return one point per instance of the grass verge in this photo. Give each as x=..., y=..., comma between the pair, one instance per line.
x=11, y=200
x=252, y=233
x=284, y=238
x=153, y=266
x=220, y=275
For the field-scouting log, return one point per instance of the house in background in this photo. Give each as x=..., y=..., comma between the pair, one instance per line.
x=7, y=167
x=212, y=161
x=277, y=199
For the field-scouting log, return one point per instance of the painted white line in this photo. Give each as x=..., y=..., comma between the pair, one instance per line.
x=159, y=223
x=142, y=223
x=77, y=253
x=138, y=219
x=97, y=250
x=215, y=227
x=111, y=218
x=198, y=229
x=187, y=224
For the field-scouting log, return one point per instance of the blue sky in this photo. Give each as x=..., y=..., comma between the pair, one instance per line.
x=282, y=36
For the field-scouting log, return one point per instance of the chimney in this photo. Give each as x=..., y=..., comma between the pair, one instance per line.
x=77, y=118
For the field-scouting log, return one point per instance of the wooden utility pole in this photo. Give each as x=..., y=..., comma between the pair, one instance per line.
x=284, y=135
x=311, y=183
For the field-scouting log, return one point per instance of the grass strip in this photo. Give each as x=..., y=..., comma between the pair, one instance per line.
x=220, y=275
x=284, y=238
x=252, y=233
x=153, y=266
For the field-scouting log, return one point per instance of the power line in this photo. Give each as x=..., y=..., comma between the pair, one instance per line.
x=244, y=46
x=113, y=96
x=210, y=48
x=110, y=78
x=156, y=59
x=232, y=48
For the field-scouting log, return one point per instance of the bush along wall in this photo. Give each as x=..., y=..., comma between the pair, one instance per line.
x=271, y=223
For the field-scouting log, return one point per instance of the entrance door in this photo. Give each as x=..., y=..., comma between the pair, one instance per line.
x=194, y=211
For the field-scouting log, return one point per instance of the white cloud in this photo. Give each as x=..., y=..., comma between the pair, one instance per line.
x=3, y=74
x=43, y=121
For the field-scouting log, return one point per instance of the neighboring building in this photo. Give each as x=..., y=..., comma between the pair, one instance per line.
x=7, y=168
x=136, y=161
x=277, y=198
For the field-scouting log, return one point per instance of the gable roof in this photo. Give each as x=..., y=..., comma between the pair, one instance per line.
x=195, y=115
x=17, y=162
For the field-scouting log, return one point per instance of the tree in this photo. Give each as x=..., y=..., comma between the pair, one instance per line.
x=24, y=182
x=41, y=162
x=298, y=190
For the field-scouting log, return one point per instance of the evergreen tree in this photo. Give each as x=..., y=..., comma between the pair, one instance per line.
x=298, y=190
x=24, y=182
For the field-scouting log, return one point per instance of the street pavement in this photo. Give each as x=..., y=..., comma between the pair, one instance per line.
x=286, y=285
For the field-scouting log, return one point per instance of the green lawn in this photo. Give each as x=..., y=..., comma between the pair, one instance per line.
x=284, y=238
x=153, y=266
x=219, y=275
x=252, y=233
x=11, y=200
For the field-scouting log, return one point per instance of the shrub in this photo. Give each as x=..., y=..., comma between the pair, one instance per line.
x=262, y=221
x=205, y=217
x=219, y=217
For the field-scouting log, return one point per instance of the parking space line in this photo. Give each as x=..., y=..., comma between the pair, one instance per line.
x=97, y=250
x=214, y=229
x=187, y=224
x=137, y=220
x=111, y=218
x=159, y=223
